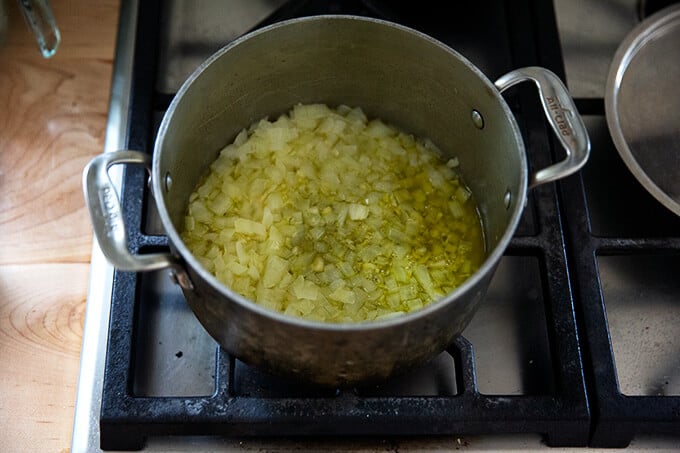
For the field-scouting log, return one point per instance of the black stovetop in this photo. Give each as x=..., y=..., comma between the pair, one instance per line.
x=548, y=294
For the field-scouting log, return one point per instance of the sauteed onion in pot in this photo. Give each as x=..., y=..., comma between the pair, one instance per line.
x=325, y=215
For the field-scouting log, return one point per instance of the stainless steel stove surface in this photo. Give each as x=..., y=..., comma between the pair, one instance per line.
x=576, y=344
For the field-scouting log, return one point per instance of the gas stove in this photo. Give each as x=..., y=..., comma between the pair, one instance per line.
x=577, y=341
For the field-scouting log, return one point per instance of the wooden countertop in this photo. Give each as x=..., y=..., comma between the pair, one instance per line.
x=52, y=122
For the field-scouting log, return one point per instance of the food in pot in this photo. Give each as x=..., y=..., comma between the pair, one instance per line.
x=325, y=215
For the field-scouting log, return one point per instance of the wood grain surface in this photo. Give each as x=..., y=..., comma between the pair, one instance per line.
x=52, y=122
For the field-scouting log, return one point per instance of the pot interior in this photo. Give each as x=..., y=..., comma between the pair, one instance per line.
x=392, y=73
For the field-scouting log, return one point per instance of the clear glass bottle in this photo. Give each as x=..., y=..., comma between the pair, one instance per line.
x=40, y=20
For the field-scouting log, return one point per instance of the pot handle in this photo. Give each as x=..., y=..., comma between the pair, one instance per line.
x=562, y=115
x=107, y=217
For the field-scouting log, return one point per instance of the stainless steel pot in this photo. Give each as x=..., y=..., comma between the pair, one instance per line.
x=392, y=72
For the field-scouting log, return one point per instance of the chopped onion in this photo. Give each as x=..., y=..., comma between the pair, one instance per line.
x=326, y=215
x=358, y=211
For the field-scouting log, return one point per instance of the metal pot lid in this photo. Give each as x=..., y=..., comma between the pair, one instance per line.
x=642, y=104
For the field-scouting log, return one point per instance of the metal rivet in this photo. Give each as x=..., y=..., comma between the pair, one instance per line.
x=477, y=119
x=507, y=199
x=168, y=182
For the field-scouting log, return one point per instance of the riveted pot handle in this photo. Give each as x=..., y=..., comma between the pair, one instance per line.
x=562, y=115
x=107, y=218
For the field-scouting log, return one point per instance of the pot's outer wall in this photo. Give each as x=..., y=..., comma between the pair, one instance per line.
x=392, y=73
x=336, y=358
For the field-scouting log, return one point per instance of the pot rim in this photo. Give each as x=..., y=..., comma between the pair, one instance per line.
x=487, y=267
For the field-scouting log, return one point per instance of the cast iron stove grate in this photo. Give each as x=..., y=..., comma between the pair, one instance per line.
x=616, y=230
x=497, y=36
